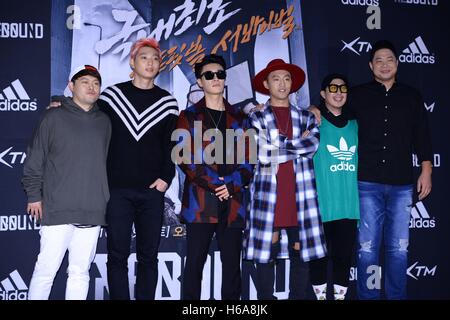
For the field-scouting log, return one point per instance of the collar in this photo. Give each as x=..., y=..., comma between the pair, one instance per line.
x=379, y=86
x=200, y=106
x=339, y=121
x=267, y=106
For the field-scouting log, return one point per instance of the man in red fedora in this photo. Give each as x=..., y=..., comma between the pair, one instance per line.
x=283, y=191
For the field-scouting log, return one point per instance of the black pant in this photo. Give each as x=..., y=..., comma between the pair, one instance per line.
x=144, y=208
x=298, y=270
x=340, y=236
x=198, y=240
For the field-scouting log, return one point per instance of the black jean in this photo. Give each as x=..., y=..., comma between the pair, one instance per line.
x=298, y=270
x=340, y=236
x=198, y=240
x=144, y=208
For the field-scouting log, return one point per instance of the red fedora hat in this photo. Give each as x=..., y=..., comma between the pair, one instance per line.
x=297, y=74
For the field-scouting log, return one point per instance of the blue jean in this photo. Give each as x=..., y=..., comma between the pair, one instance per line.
x=385, y=213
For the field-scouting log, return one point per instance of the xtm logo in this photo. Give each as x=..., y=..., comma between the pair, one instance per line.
x=416, y=271
x=361, y=46
x=429, y=107
x=15, y=98
x=374, y=274
x=13, y=287
x=417, y=52
x=420, y=219
x=9, y=158
x=344, y=153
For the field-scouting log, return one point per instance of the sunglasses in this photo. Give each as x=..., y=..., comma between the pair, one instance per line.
x=333, y=88
x=209, y=75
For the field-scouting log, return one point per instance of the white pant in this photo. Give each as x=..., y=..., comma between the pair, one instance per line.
x=55, y=240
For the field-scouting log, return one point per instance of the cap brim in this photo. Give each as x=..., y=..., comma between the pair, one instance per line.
x=83, y=73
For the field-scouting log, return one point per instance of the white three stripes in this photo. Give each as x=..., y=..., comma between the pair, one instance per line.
x=417, y=46
x=144, y=120
x=20, y=90
x=419, y=211
x=16, y=279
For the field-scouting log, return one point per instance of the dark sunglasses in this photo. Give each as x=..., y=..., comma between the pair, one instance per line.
x=209, y=75
x=333, y=88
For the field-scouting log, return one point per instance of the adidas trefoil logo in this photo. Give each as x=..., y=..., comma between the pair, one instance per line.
x=344, y=153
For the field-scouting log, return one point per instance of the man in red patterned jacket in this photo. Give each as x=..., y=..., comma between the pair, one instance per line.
x=214, y=197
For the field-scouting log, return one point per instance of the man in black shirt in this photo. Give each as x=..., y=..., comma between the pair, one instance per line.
x=140, y=169
x=392, y=125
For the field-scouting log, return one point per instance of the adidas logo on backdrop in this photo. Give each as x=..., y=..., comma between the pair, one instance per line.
x=417, y=52
x=420, y=219
x=13, y=287
x=15, y=98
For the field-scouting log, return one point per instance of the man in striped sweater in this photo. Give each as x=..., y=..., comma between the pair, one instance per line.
x=140, y=170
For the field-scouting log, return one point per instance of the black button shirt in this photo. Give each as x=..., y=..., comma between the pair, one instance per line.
x=392, y=125
x=218, y=120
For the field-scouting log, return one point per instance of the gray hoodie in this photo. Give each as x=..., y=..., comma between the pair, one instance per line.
x=65, y=166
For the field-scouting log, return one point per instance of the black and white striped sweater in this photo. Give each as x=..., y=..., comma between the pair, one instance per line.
x=142, y=124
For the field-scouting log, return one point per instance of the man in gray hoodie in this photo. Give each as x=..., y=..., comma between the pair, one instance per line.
x=66, y=184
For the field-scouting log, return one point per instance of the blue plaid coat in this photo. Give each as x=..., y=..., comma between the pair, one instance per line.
x=272, y=150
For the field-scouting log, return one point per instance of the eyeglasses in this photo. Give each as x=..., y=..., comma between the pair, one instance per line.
x=209, y=75
x=333, y=88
